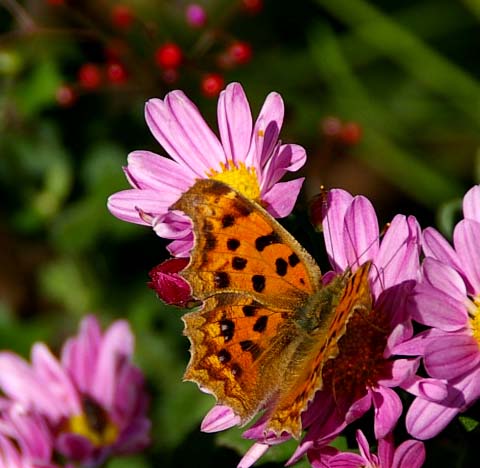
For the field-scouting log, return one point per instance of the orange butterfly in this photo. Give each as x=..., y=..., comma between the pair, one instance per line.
x=268, y=325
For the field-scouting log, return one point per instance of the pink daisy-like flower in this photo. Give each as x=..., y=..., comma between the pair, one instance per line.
x=409, y=454
x=93, y=398
x=248, y=156
x=448, y=301
x=364, y=373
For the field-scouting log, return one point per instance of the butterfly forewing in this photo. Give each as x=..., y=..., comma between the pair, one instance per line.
x=239, y=247
x=355, y=297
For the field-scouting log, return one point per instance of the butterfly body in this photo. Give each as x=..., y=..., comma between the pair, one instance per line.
x=267, y=325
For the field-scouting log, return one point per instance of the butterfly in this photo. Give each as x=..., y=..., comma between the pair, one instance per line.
x=267, y=325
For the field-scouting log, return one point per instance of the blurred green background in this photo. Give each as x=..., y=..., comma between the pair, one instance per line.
x=385, y=97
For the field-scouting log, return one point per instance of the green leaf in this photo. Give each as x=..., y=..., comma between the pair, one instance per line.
x=468, y=423
x=448, y=216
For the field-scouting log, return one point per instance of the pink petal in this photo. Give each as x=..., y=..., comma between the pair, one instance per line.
x=49, y=370
x=181, y=247
x=452, y=356
x=335, y=208
x=266, y=131
x=363, y=446
x=127, y=205
x=117, y=346
x=179, y=127
x=434, y=245
x=80, y=352
x=386, y=450
x=252, y=455
x=31, y=432
x=398, y=256
x=361, y=234
x=172, y=225
x=19, y=382
x=388, y=408
x=409, y=454
x=429, y=389
x=466, y=239
x=234, y=122
x=471, y=204
x=401, y=369
x=425, y=419
x=286, y=158
x=444, y=278
x=219, y=418
x=437, y=309
x=346, y=460
x=359, y=408
x=74, y=446
x=281, y=197
x=148, y=170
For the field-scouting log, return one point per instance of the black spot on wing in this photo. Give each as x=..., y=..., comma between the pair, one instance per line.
x=293, y=260
x=264, y=241
x=249, y=310
x=224, y=356
x=228, y=220
x=227, y=329
x=233, y=244
x=239, y=263
x=281, y=266
x=221, y=279
x=251, y=347
x=261, y=324
x=258, y=283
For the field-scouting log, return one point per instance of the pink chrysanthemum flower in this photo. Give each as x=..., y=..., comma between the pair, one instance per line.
x=364, y=373
x=249, y=157
x=409, y=454
x=93, y=398
x=448, y=301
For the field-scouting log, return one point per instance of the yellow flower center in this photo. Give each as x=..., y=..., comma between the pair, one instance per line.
x=241, y=178
x=93, y=424
x=475, y=320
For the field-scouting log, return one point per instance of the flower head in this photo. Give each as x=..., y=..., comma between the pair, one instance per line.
x=248, y=156
x=93, y=398
x=448, y=301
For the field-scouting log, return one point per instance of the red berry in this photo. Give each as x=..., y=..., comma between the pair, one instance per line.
x=169, y=55
x=56, y=2
x=65, y=96
x=253, y=6
x=351, y=133
x=240, y=52
x=122, y=16
x=90, y=76
x=331, y=126
x=116, y=73
x=212, y=84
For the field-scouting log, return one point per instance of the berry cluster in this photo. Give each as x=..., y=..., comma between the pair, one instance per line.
x=131, y=46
